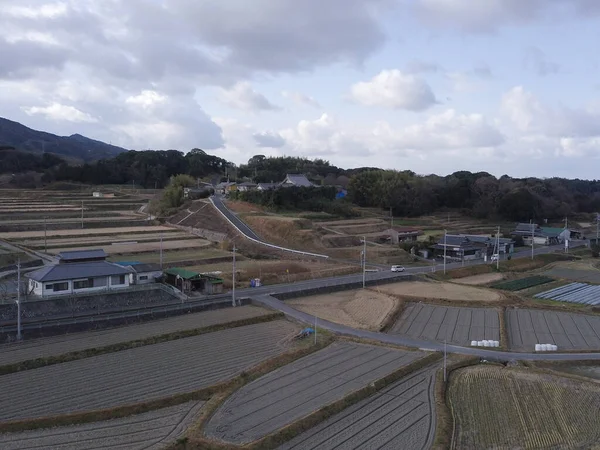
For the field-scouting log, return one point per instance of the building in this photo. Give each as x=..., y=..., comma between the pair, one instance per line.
x=541, y=235
x=459, y=247
x=80, y=271
x=267, y=186
x=295, y=180
x=101, y=195
x=506, y=245
x=188, y=281
x=196, y=192
x=247, y=186
x=144, y=273
x=402, y=234
x=225, y=187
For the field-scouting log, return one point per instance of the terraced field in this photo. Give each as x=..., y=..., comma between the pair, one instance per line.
x=442, y=291
x=54, y=346
x=455, y=325
x=568, y=331
x=402, y=416
x=16, y=235
x=151, y=430
x=141, y=374
x=140, y=247
x=500, y=407
x=300, y=388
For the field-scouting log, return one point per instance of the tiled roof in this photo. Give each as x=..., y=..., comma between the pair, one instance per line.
x=297, y=180
x=74, y=271
x=82, y=254
x=150, y=267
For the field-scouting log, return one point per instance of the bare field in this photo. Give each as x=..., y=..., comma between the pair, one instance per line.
x=173, y=256
x=296, y=390
x=151, y=430
x=84, y=232
x=358, y=309
x=59, y=345
x=142, y=247
x=141, y=374
x=455, y=325
x=401, y=416
x=484, y=278
x=442, y=291
x=103, y=240
x=500, y=407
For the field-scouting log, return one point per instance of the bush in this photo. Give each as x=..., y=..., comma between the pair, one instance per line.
x=595, y=251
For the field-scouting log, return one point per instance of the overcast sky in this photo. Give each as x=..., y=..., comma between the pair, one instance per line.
x=433, y=86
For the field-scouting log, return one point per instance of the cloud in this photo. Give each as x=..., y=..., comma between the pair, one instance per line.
x=529, y=115
x=269, y=139
x=536, y=61
x=394, y=89
x=243, y=96
x=482, y=70
x=417, y=66
x=59, y=112
x=301, y=99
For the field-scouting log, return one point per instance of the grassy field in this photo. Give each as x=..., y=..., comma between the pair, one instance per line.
x=501, y=407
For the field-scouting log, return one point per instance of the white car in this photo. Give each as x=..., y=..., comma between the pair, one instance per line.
x=495, y=257
x=397, y=269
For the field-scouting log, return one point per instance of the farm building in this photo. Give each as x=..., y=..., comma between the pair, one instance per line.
x=188, y=281
x=78, y=272
x=402, y=234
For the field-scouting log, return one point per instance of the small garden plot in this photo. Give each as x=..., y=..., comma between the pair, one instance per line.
x=300, y=388
x=358, y=309
x=141, y=374
x=501, y=407
x=441, y=291
x=402, y=416
x=522, y=283
x=483, y=278
x=154, y=429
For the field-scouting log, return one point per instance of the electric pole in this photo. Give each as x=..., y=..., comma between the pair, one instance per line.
x=498, y=241
x=161, y=250
x=82, y=214
x=532, y=238
x=233, y=279
x=19, y=299
x=444, y=360
x=364, y=260
x=597, y=223
x=391, y=218
x=45, y=237
x=445, y=245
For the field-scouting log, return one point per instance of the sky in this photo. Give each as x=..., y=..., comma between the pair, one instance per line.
x=434, y=86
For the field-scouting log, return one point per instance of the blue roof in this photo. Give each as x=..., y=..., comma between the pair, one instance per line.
x=127, y=263
x=74, y=271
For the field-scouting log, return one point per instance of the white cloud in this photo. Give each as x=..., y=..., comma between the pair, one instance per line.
x=394, y=89
x=301, y=99
x=60, y=112
x=48, y=10
x=537, y=61
x=268, y=139
x=146, y=99
x=242, y=96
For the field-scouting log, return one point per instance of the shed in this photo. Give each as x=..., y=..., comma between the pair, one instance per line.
x=188, y=281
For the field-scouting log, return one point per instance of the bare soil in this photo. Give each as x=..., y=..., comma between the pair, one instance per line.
x=141, y=247
x=442, y=291
x=116, y=230
x=484, y=278
x=359, y=309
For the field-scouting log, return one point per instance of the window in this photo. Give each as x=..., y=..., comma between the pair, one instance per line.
x=83, y=284
x=61, y=286
x=117, y=279
x=143, y=277
x=49, y=287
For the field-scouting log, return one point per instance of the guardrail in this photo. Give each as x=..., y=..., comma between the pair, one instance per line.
x=291, y=250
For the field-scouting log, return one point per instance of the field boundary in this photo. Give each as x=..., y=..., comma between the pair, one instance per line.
x=126, y=345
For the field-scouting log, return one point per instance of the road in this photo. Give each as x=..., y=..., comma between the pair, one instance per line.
x=233, y=218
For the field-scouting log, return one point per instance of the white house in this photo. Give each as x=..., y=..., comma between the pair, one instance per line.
x=144, y=273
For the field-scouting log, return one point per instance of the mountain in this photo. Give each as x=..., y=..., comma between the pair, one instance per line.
x=14, y=134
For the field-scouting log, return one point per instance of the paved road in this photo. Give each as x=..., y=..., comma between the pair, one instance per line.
x=238, y=223
x=273, y=303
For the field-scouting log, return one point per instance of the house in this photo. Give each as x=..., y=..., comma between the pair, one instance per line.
x=541, y=235
x=188, y=281
x=247, y=186
x=225, y=187
x=267, y=186
x=402, y=234
x=505, y=245
x=295, y=180
x=459, y=247
x=200, y=190
x=144, y=273
x=79, y=272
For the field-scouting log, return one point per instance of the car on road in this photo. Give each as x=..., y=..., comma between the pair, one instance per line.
x=495, y=257
x=397, y=269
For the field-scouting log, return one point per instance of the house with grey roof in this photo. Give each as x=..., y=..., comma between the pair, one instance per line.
x=267, y=186
x=246, y=186
x=472, y=246
x=81, y=271
x=292, y=179
x=145, y=273
x=541, y=235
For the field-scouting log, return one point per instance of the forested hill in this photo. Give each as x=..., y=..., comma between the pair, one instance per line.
x=20, y=137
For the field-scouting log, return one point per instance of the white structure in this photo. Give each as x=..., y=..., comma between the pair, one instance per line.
x=144, y=273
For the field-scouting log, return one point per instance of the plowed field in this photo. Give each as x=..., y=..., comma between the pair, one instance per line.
x=499, y=407
x=442, y=291
x=141, y=374
x=483, y=278
x=302, y=387
x=152, y=430
x=358, y=309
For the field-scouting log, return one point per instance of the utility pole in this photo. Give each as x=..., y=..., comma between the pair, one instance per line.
x=532, y=238
x=315, y=330
x=364, y=260
x=45, y=237
x=82, y=214
x=445, y=235
x=233, y=279
x=445, y=360
x=19, y=299
x=391, y=218
x=597, y=223
x=498, y=241
x=161, y=250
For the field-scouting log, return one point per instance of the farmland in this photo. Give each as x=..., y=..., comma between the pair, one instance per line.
x=400, y=416
x=294, y=391
x=440, y=291
x=589, y=276
x=59, y=345
x=566, y=330
x=141, y=374
x=522, y=283
x=455, y=325
x=359, y=309
x=483, y=278
x=501, y=407
x=156, y=428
